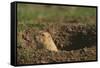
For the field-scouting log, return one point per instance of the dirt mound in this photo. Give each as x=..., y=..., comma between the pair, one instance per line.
x=29, y=56
x=73, y=36
x=75, y=42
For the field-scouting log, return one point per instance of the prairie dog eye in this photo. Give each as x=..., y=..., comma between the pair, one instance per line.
x=42, y=35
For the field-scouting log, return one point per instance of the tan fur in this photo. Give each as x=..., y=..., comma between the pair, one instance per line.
x=45, y=40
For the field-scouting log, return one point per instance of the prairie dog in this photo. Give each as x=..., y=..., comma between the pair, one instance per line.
x=45, y=40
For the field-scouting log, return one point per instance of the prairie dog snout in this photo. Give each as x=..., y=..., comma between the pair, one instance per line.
x=45, y=40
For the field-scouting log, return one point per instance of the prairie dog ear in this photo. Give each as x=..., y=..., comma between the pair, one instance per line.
x=47, y=30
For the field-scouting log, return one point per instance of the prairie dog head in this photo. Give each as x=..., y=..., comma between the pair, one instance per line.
x=45, y=40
